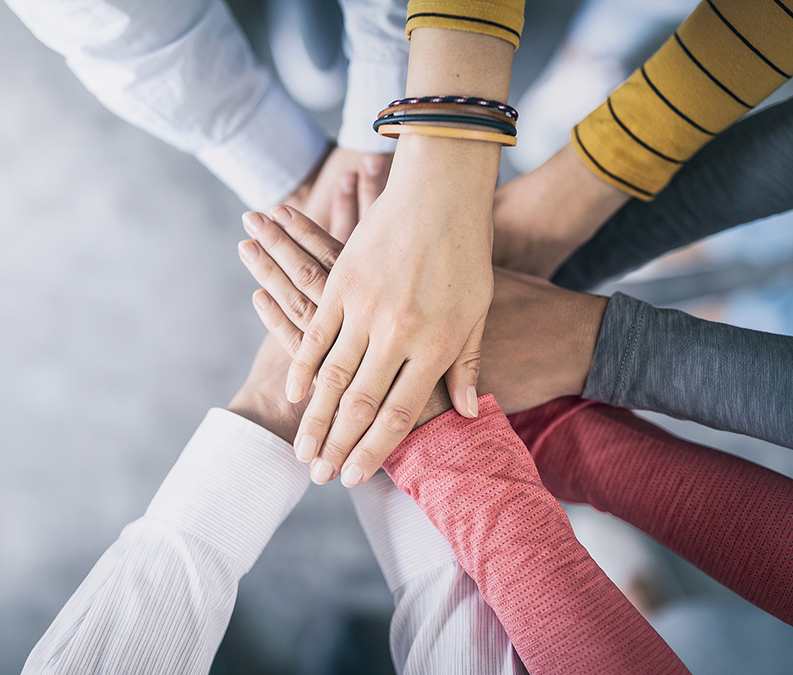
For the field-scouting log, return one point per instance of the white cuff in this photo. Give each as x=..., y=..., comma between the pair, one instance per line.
x=271, y=154
x=232, y=486
x=405, y=542
x=371, y=86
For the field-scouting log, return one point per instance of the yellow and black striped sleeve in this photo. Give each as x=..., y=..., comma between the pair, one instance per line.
x=499, y=18
x=725, y=59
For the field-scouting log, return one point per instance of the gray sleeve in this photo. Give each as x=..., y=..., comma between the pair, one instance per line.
x=670, y=362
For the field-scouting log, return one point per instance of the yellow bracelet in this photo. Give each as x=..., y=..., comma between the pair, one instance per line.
x=394, y=130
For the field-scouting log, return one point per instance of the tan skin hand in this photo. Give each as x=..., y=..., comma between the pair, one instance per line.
x=544, y=216
x=538, y=341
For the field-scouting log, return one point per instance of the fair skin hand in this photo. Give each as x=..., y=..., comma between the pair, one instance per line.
x=406, y=302
x=544, y=216
x=315, y=196
x=538, y=341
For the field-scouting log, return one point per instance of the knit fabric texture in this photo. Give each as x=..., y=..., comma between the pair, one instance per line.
x=477, y=483
x=730, y=518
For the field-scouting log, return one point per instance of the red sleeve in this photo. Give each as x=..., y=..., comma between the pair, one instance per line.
x=478, y=485
x=729, y=517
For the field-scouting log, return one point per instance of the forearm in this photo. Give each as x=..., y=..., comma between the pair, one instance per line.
x=729, y=517
x=161, y=597
x=476, y=482
x=670, y=362
x=743, y=175
x=185, y=73
x=726, y=58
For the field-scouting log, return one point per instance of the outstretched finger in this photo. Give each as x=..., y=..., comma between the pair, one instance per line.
x=395, y=420
x=308, y=235
x=344, y=207
x=276, y=322
x=462, y=376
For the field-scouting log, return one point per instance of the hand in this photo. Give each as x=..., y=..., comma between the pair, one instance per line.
x=337, y=170
x=538, y=341
x=260, y=399
x=542, y=217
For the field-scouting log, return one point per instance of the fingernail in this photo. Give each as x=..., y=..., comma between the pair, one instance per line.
x=248, y=250
x=373, y=164
x=306, y=448
x=262, y=300
x=282, y=216
x=471, y=401
x=294, y=391
x=352, y=475
x=321, y=471
x=252, y=222
x=347, y=183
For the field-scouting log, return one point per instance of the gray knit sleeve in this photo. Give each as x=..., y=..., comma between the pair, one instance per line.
x=670, y=362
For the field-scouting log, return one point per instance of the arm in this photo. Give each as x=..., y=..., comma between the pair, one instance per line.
x=185, y=73
x=441, y=622
x=729, y=517
x=160, y=598
x=477, y=483
x=413, y=285
x=715, y=374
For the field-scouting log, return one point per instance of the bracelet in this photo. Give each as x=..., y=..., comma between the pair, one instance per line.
x=451, y=107
x=505, y=109
x=395, y=130
x=504, y=127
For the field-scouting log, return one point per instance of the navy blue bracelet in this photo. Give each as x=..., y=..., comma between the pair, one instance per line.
x=504, y=127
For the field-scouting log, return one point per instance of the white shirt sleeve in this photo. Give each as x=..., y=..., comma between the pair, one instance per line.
x=184, y=72
x=377, y=50
x=441, y=622
x=160, y=598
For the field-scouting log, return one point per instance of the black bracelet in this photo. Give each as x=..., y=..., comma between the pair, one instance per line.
x=508, y=110
x=504, y=127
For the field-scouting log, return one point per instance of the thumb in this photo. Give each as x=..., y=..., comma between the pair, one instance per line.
x=462, y=376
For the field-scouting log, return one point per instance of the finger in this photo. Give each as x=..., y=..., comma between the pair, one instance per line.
x=358, y=406
x=334, y=377
x=372, y=178
x=317, y=341
x=395, y=419
x=461, y=378
x=276, y=322
x=308, y=235
x=344, y=207
x=299, y=308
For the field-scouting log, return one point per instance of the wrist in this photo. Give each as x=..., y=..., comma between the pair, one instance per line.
x=276, y=417
x=439, y=403
x=589, y=310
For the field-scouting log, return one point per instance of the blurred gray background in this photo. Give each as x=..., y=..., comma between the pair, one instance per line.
x=125, y=314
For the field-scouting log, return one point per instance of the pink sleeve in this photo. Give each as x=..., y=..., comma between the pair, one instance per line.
x=729, y=517
x=478, y=485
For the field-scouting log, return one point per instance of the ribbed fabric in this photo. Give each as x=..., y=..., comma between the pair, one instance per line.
x=726, y=58
x=477, y=483
x=159, y=600
x=499, y=18
x=441, y=623
x=729, y=517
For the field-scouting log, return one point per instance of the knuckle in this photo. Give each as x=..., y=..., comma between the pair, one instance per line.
x=309, y=274
x=314, y=423
x=334, y=378
x=314, y=338
x=329, y=257
x=396, y=419
x=334, y=452
x=293, y=342
x=367, y=458
x=299, y=306
x=359, y=407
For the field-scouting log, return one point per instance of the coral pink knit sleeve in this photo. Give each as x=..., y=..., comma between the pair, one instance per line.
x=477, y=483
x=729, y=517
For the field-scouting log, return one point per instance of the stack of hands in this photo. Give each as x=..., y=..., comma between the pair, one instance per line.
x=353, y=399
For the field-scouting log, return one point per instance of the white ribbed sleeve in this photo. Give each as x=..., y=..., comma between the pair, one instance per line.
x=160, y=598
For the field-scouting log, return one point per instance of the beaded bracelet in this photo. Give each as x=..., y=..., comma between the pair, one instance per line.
x=506, y=110
x=503, y=126
x=445, y=107
x=395, y=130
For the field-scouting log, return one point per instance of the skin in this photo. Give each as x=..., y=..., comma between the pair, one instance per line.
x=407, y=299
x=543, y=216
x=538, y=341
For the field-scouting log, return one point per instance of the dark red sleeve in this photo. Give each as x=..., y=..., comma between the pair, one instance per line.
x=478, y=485
x=729, y=517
